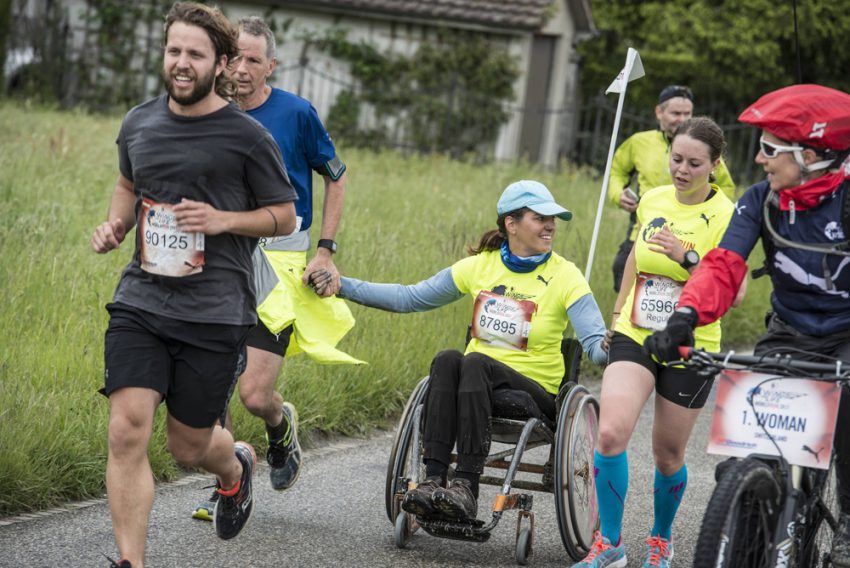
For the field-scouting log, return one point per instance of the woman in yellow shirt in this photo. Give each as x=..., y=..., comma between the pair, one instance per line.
x=525, y=296
x=678, y=224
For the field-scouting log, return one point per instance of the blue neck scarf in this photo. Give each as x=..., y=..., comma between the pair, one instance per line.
x=522, y=263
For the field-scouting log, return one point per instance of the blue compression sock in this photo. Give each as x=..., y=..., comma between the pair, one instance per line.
x=668, y=496
x=612, y=483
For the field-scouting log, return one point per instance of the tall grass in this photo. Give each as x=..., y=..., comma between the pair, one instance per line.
x=405, y=219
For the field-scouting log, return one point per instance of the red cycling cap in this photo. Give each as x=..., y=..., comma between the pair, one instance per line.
x=816, y=116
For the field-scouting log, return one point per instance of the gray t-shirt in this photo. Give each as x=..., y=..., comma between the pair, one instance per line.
x=224, y=158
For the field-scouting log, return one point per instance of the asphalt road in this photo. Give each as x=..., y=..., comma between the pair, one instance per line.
x=335, y=516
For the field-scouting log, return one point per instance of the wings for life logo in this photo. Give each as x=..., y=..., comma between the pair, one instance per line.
x=658, y=224
x=161, y=217
x=493, y=307
x=661, y=287
x=653, y=227
x=511, y=292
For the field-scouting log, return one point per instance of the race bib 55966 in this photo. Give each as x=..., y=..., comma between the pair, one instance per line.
x=656, y=298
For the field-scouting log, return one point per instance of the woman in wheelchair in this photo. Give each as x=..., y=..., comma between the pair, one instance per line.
x=525, y=295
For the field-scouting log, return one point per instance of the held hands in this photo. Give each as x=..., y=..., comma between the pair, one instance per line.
x=108, y=236
x=667, y=244
x=321, y=282
x=606, y=341
x=664, y=345
x=321, y=275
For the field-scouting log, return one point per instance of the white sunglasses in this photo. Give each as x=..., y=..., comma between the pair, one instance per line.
x=771, y=150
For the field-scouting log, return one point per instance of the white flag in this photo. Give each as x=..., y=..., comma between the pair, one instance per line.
x=633, y=70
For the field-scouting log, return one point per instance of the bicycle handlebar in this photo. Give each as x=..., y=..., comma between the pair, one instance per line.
x=777, y=363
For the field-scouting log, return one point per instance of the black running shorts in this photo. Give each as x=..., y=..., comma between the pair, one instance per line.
x=261, y=338
x=680, y=386
x=193, y=366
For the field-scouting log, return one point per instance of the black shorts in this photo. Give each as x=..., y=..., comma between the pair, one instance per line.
x=261, y=338
x=193, y=366
x=680, y=386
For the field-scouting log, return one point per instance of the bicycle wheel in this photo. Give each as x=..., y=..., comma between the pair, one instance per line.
x=821, y=511
x=740, y=521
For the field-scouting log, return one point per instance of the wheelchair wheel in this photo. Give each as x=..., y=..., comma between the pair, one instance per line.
x=740, y=520
x=575, y=489
x=401, y=533
x=523, y=546
x=399, y=463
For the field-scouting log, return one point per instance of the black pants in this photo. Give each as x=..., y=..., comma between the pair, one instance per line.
x=780, y=334
x=460, y=402
x=620, y=259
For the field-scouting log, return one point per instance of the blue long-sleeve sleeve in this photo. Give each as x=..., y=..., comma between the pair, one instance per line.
x=428, y=294
x=590, y=327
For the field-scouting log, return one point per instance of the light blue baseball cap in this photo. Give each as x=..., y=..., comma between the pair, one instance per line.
x=531, y=194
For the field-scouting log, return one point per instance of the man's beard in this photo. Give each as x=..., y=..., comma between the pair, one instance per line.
x=203, y=86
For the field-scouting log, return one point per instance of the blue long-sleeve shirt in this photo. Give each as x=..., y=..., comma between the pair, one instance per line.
x=440, y=289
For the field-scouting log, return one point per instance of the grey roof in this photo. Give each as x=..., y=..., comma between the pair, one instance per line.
x=506, y=14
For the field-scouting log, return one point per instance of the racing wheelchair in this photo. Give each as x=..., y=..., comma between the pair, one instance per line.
x=568, y=472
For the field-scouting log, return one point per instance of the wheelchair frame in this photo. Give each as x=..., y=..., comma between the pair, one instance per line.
x=567, y=473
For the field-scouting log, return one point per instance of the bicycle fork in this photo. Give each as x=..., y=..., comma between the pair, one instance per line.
x=787, y=524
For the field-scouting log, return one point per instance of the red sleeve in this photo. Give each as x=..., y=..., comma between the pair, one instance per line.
x=712, y=287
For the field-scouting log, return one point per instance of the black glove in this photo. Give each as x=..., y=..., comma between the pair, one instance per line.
x=664, y=345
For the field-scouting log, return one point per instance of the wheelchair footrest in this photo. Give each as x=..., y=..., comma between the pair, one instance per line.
x=458, y=530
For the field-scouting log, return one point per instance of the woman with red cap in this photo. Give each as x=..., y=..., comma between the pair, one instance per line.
x=803, y=212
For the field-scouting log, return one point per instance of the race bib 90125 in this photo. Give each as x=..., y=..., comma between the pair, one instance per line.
x=656, y=298
x=502, y=321
x=165, y=249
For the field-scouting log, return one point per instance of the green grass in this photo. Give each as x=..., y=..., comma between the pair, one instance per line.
x=405, y=219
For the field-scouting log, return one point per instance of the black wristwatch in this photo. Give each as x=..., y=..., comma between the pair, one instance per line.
x=330, y=244
x=691, y=259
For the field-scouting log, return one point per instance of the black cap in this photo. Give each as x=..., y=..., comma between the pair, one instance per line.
x=673, y=91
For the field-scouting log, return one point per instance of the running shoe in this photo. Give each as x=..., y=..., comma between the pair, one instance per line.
x=119, y=564
x=233, y=511
x=603, y=554
x=659, y=553
x=284, y=454
x=205, y=510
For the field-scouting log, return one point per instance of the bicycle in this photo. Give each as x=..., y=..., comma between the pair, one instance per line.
x=775, y=502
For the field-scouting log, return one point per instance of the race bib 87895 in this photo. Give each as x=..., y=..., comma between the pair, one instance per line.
x=502, y=321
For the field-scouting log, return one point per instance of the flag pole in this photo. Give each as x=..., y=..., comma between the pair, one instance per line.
x=632, y=70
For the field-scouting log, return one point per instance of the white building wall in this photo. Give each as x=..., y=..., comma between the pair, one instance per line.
x=332, y=77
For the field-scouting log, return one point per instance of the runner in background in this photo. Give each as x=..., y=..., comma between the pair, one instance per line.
x=292, y=318
x=642, y=163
